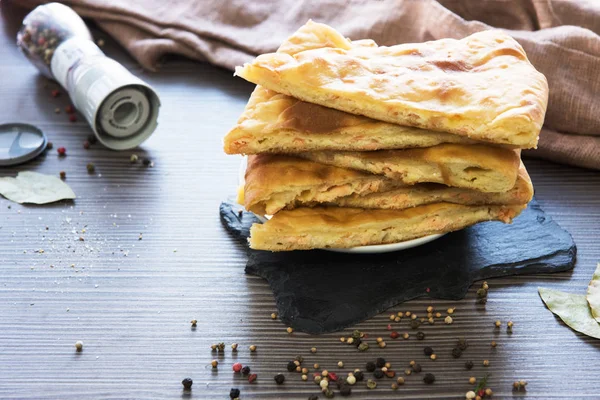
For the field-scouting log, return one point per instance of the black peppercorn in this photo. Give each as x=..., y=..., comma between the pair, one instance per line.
x=428, y=351
x=359, y=376
x=291, y=367
x=429, y=379
x=187, y=383
x=234, y=393
x=371, y=366
x=462, y=344
x=380, y=362
x=415, y=323
x=456, y=352
x=420, y=335
x=378, y=373
x=416, y=368
x=92, y=139
x=146, y=162
x=345, y=390
x=469, y=364
x=245, y=370
x=313, y=397
x=279, y=378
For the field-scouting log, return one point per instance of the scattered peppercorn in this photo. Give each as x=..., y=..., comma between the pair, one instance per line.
x=363, y=346
x=351, y=380
x=237, y=367
x=86, y=145
x=329, y=393
x=57, y=110
x=213, y=347
x=448, y=320
x=420, y=335
x=429, y=379
x=416, y=368
x=390, y=373
x=488, y=392
x=291, y=367
x=378, y=373
x=324, y=383
x=438, y=315
x=63, y=175
x=221, y=346
x=194, y=323
x=456, y=352
x=382, y=345
x=428, y=351
x=472, y=380
x=498, y=324
x=405, y=335
x=494, y=344
x=90, y=168
x=345, y=390
x=187, y=383
x=92, y=139
x=69, y=109
x=79, y=345
x=371, y=384
x=415, y=323
x=394, y=335
x=341, y=364
x=520, y=385
x=359, y=376
x=251, y=377
x=147, y=162
x=469, y=365
x=55, y=93
x=470, y=395
x=49, y=146
x=433, y=356
x=408, y=371
x=279, y=378
x=509, y=327
x=316, y=366
x=370, y=367
x=400, y=380
x=394, y=386
x=214, y=363
x=252, y=348
x=245, y=370
x=313, y=397
x=73, y=118
x=380, y=362
x=318, y=379
x=462, y=344
x=290, y=329
x=486, y=363
x=313, y=350
x=234, y=393
x=429, y=309
x=61, y=151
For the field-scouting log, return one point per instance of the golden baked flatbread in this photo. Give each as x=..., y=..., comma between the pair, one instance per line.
x=274, y=182
x=429, y=193
x=482, y=87
x=479, y=167
x=337, y=227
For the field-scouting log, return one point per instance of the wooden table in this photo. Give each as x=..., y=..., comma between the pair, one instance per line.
x=131, y=301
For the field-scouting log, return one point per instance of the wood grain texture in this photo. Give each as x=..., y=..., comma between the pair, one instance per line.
x=130, y=301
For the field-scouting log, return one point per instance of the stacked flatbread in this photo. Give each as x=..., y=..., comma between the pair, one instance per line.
x=351, y=144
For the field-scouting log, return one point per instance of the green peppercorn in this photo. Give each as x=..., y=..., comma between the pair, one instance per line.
x=329, y=393
x=363, y=346
x=90, y=168
x=456, y=352
x=469, y=365
x=299, y=358
x=415, y=323
x=356, y=334
x=428, y=351
x=420, y=335
x=429, y=379
x=371, y=384
x=279, y=378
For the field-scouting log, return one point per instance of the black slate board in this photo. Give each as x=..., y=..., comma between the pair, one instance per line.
x=320, y=291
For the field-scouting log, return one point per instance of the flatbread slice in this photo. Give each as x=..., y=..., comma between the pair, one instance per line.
x=274, y=182
x=276, y=123
x=337, y=227
x=429, y=193
x=482, y=87
x=478, y=167
x=593, y=294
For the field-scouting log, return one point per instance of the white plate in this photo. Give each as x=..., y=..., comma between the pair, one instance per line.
x=373, y=249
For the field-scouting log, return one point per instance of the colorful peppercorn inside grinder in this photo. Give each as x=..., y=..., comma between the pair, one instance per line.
x=121, y=108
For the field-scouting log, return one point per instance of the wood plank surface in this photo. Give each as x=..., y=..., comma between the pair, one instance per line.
x=130, y=301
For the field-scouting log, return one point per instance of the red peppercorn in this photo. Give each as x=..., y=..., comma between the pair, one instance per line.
x=332, y=376
x=61, y=151
x=41, y=40
x=86, y=145
x=252, y=378
x=237, y=367
x=69, y=109
x=389, y=327
x=394, y=335
x=481, y=392
x=55, y=93
x=72, y=118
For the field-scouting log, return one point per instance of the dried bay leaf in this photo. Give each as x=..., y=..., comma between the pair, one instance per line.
x=573, y=309
x=36, y=188
x=593, y=294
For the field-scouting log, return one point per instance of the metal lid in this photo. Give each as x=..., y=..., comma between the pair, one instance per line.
x=20, y=143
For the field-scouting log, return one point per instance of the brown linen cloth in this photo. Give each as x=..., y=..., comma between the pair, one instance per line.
x=561, y=38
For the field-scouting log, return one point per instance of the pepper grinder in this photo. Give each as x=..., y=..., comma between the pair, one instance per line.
x=121, y=108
